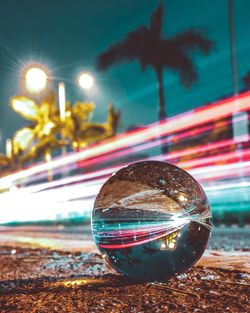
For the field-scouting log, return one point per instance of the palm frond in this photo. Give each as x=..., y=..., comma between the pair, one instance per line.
x=192, y=40
x=179, y=61
x=22, y=139
x=156, y=21
x=132, y=47
x=25, y=107
x=187, y=72
x=92, y=132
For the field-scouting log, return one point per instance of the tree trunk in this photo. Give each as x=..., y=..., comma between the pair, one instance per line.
x=161, y=106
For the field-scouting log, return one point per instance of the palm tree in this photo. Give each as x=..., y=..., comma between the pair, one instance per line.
x=147, y=45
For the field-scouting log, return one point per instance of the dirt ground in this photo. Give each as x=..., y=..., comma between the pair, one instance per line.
x=45, y=280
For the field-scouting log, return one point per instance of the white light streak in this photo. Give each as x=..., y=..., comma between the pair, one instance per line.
x=183, y=121
x=62, y=100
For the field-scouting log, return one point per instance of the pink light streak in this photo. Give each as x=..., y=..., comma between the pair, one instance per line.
x=150, y=236
x=180, y=122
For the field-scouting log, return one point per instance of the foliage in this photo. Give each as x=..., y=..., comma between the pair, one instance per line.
x=47, y=131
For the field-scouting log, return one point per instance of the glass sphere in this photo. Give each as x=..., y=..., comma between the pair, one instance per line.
x=151, y=221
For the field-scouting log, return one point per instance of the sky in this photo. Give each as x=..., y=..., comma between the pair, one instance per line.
x=67, y=36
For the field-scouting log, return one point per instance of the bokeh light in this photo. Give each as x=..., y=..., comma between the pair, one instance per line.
x=85, y=80
x=35, y=78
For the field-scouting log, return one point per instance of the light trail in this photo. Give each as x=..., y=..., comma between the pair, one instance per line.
x=221, y=171
x=107, y=172
x=30, y=204
x=74, y=196
x=193, y=118
x=171, y=156
x=229, y=185
x=231, y=157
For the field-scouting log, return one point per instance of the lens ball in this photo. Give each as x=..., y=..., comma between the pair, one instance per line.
x=151, y=221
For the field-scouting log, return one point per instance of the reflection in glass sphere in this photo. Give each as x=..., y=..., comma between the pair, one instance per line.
x=151, y=220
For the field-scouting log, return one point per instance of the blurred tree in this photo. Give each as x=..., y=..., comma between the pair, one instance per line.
x=146, y=45
x=47, y=132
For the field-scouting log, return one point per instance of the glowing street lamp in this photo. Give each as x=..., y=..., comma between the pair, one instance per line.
x=85, y=80
x=35, y=79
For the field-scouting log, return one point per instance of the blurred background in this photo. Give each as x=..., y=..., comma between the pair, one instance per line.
x=89, y=87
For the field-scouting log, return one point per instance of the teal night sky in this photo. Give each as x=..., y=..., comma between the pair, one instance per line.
x=67, y=35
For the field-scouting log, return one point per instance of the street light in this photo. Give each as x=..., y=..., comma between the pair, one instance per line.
x=85, y=80
x=62, y=101
x=35, y=78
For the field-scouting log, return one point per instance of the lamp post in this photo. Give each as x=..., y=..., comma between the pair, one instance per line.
x=62, y=101
x=239, y=119
x=35, y=79
x=8, y=148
